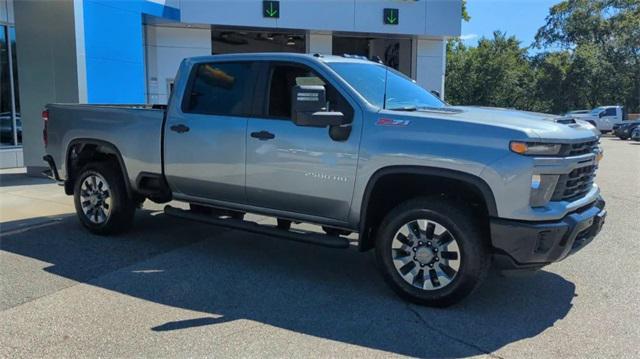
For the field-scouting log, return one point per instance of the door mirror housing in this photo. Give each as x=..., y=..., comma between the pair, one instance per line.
x=309, y=107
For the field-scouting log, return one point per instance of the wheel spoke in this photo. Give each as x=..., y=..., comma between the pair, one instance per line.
x=444, y=239
x=449, y=255
x=448, y=271
x=431, y=227
x=404, y=240
x=434, y=278
x=407, y=268
x=415, y=228
x=418, y=280
x=399, y=253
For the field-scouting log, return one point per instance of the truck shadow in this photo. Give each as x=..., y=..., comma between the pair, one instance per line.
x=21, y=179
x=327, y=293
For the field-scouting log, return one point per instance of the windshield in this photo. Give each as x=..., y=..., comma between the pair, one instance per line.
x=402, y=93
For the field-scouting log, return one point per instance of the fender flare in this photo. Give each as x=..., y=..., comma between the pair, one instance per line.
x=474, y=181
x=92, y=141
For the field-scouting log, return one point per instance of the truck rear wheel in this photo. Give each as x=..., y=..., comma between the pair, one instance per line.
x=101, y=200
x=431, y=252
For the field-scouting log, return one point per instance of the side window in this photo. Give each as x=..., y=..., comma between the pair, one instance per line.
x=610, y=111
x=282, y=80
x=219, y=89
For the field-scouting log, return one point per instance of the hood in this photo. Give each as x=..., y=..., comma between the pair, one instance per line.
x=536, y=125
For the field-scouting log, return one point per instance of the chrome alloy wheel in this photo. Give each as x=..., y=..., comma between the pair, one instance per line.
x=95, y=198
x=425, y=254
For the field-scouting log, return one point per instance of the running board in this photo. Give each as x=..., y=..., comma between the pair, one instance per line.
x=253, y=227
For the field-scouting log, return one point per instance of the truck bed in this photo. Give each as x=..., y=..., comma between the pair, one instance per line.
x=134, y=130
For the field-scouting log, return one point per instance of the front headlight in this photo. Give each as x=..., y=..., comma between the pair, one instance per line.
x=535, y=148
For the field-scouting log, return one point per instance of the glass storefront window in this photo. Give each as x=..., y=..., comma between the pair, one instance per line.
x=10, y=123
x=6, y=118
x=14, y=63
x=393, y=52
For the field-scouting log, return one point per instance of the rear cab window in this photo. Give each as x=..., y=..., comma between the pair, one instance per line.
x=220, y=89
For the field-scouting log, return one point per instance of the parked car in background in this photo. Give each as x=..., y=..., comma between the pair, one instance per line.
x=604, y=117
x=6, y=128
x=625, y=129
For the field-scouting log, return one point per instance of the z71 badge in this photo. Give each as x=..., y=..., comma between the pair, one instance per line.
x=391, y=122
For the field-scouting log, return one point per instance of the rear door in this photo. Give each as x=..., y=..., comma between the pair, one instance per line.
x=205, y=146
x=300, y=169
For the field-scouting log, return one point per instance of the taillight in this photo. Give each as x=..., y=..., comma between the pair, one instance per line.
x=45, y=120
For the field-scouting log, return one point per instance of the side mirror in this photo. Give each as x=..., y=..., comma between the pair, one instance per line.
x=601, y=114
x=435, y=93
x=309, y=107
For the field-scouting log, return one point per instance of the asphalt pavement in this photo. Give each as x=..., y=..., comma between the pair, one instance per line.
x=172, y=288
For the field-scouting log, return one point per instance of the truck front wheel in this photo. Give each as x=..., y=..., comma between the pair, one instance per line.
x=431, y=251
x=101, y=200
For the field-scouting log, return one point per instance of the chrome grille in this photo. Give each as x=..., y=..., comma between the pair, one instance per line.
x=575, y=184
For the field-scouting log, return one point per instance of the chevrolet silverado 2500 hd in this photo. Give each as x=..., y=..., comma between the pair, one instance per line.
x=440, y=192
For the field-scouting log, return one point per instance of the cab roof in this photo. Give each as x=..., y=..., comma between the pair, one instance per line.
x=282, y=56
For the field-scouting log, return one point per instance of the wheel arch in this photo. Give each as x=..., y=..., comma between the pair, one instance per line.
x=455, y=179
x=94, y=146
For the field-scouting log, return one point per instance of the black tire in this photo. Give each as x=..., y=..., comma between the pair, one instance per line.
x=473, y=248
x=335, y=231
x=122, y=208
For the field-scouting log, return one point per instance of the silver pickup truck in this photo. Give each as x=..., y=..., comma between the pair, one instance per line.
x=440, y=192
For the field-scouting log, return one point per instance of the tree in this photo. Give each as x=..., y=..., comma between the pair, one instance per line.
x=592, y=58
x=605, y=36
x=495, y=73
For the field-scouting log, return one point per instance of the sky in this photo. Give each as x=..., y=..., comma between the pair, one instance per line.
x=521, y=18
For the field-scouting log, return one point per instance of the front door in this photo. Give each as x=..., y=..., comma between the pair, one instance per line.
x=294, y=168
x=205, y=148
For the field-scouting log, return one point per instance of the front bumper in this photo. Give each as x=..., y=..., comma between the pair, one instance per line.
x=532, y=245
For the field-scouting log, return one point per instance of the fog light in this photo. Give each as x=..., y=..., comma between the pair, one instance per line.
x=542, y=188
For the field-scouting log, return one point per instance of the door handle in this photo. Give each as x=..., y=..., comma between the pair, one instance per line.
x=263, y=135
x=179, y=128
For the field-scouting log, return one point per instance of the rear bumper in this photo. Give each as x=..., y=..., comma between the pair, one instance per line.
x=532, y=245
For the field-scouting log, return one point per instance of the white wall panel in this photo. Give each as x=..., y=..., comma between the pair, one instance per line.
x=419, y=17
x=165, y=48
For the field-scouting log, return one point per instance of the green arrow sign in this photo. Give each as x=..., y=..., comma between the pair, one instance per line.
x=391, y=16
x=271, y=9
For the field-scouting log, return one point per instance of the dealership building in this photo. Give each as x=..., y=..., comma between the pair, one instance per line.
x=128, y=51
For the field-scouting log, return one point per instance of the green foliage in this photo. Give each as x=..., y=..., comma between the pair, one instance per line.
x=465, y=14
x=592, y=58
